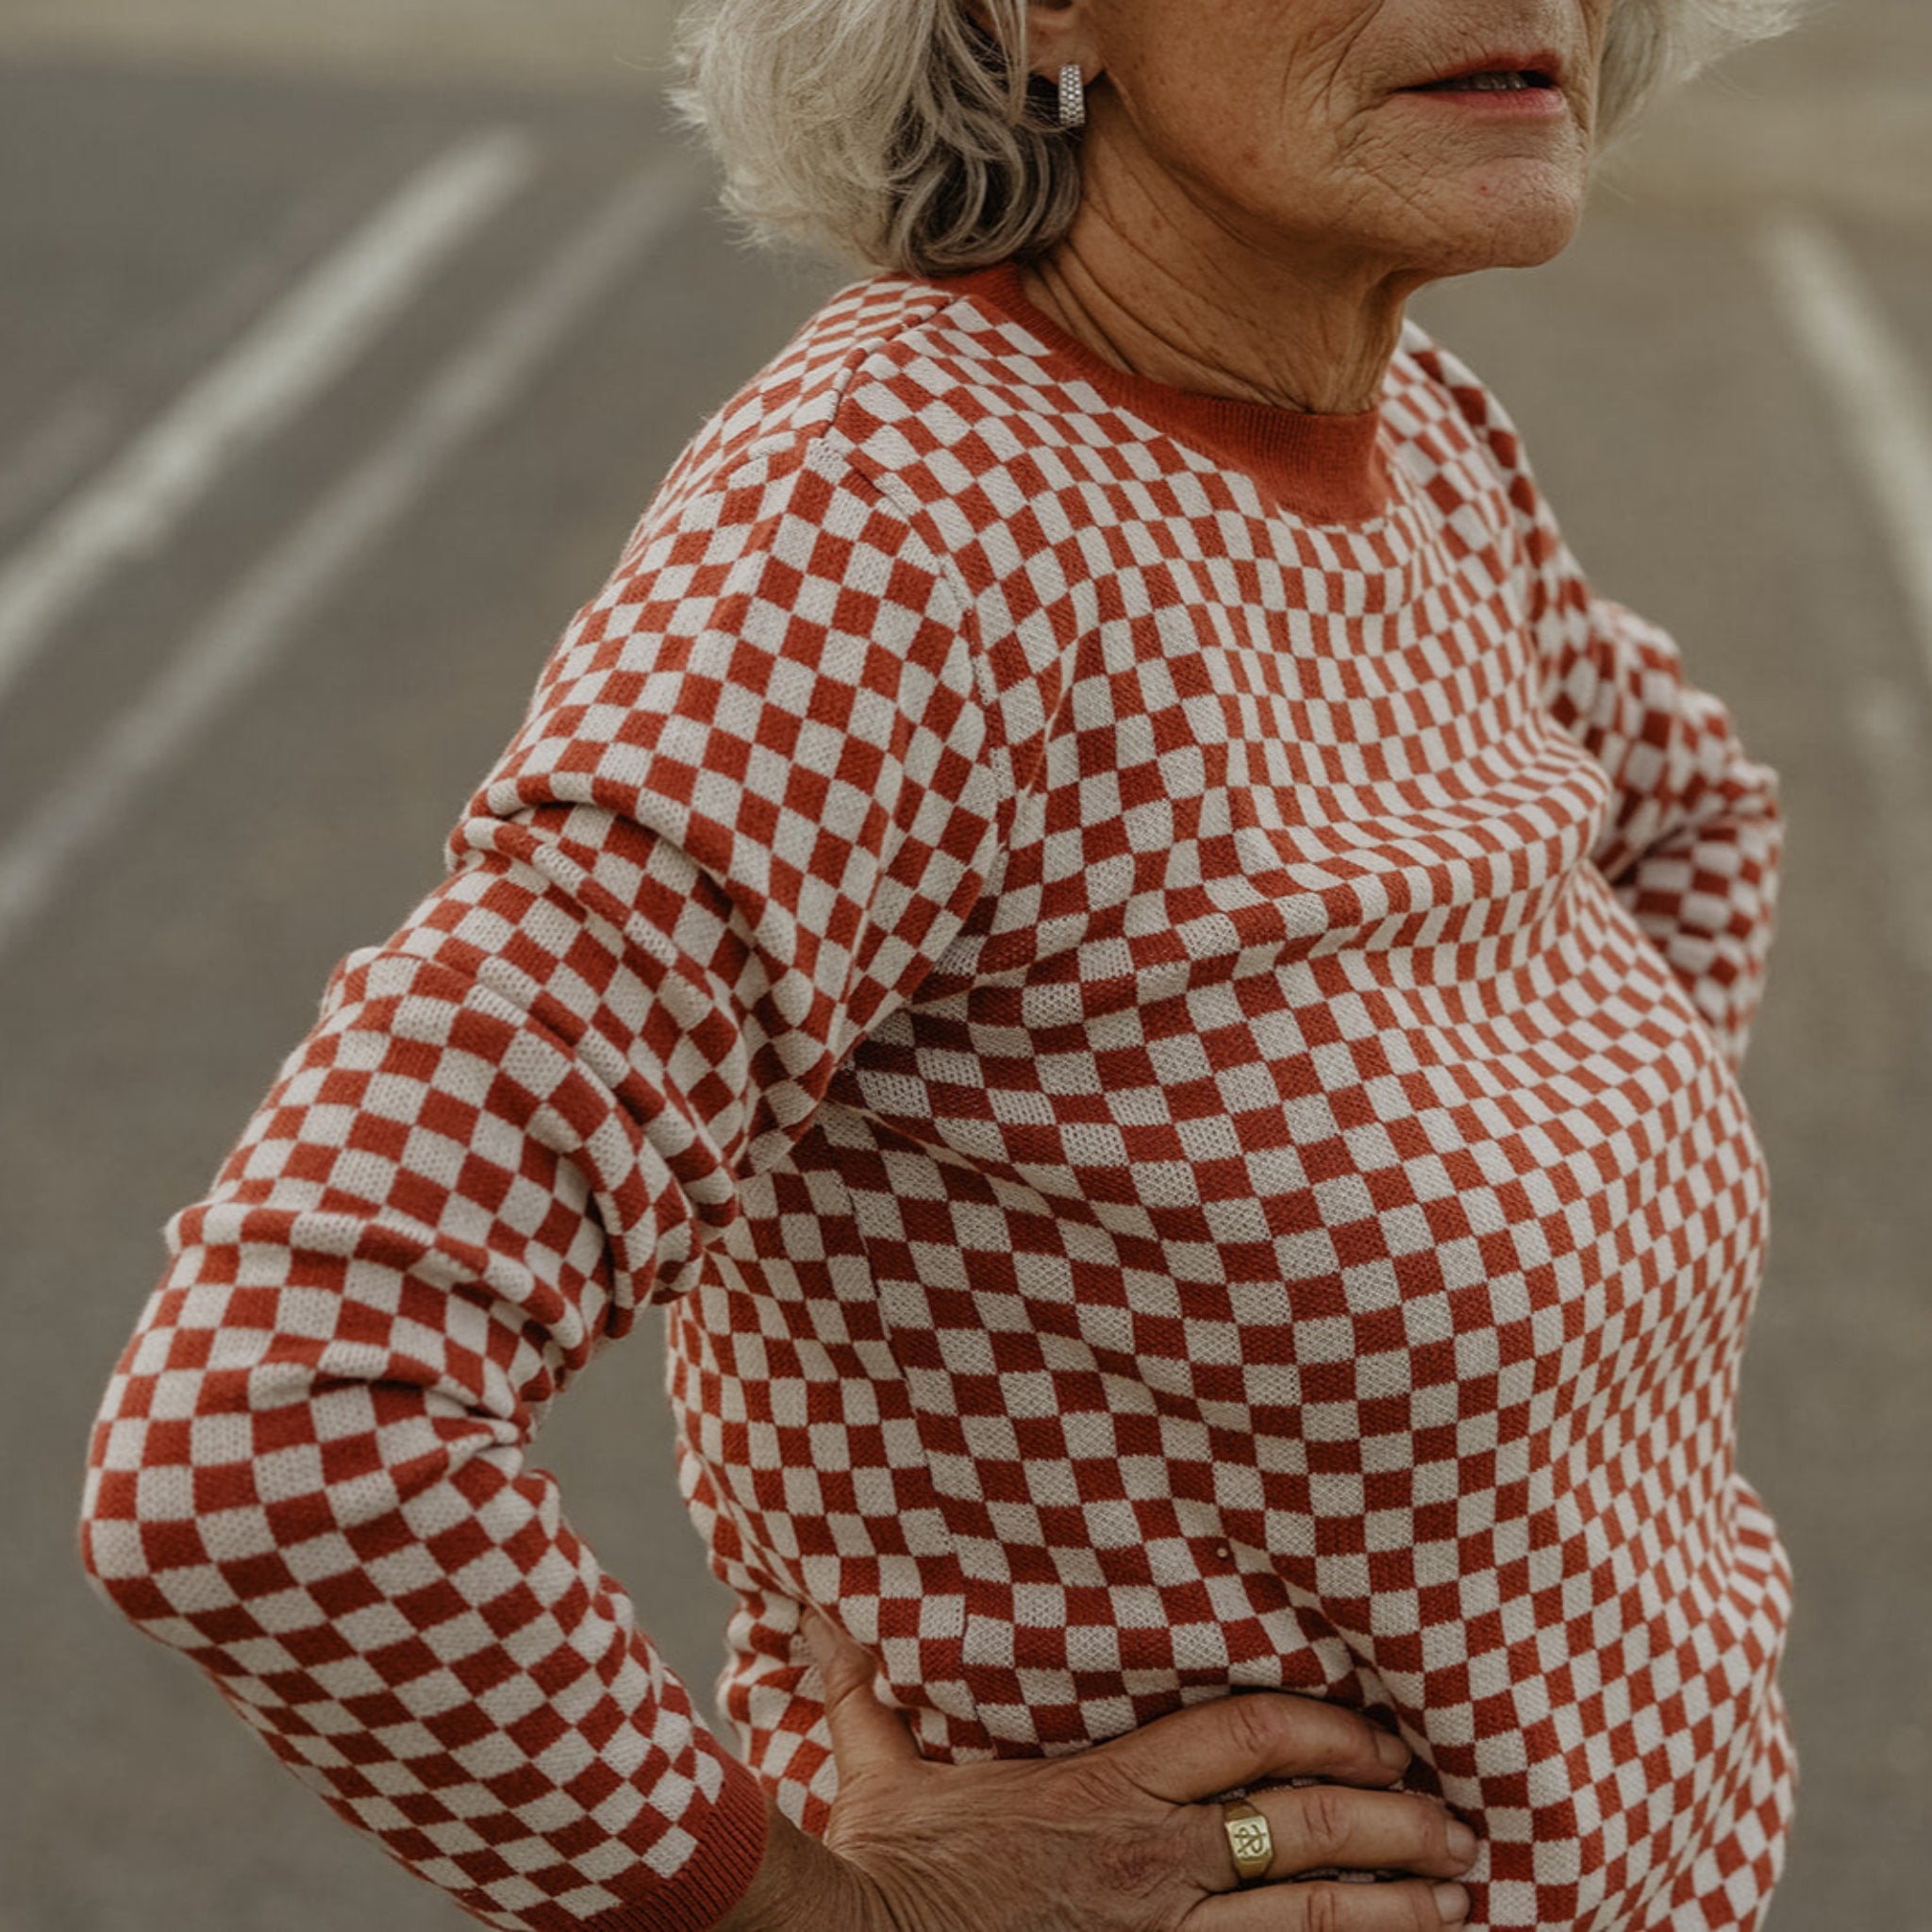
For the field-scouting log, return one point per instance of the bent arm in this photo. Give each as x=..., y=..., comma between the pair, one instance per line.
x=745, y=817
x=1693, y=838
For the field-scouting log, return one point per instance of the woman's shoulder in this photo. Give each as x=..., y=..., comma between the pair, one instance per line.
x=1436, y=405
x=864, y=379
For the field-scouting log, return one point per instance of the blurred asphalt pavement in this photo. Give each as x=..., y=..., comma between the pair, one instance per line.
x=339, y=350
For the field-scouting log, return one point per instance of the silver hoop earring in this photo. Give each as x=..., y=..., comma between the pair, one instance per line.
x=1073, y=97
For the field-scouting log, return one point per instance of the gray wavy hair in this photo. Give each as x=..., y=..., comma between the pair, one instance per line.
x=905, y=135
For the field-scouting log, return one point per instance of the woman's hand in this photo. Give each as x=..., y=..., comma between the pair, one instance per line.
x=1121, y=1839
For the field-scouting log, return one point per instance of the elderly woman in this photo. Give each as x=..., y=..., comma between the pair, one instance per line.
x=1152, y=985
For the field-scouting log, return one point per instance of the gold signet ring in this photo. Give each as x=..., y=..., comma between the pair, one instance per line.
x=1249, y=1839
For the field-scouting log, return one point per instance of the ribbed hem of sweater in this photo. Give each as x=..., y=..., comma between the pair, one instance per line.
x=716, y=1875
x=1330, y=469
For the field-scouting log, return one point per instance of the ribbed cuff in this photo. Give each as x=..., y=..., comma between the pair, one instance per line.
x=730, y=1849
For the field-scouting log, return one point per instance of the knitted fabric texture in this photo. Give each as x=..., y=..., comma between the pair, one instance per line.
x=1154, y=988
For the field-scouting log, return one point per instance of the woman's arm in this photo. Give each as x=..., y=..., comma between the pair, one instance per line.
x=1693, y=839
x=754, y=803
x=748, y=809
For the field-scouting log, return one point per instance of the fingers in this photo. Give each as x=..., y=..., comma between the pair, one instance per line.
x=1250, y=1737
x=1322, y=1826
x=864, y=1733
x=1414, y=1906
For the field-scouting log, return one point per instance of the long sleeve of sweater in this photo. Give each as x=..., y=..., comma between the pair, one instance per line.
x=753, y=795
x=1693, y=835
x=1693, y=842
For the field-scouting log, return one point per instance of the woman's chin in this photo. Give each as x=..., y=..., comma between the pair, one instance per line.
x=1508, y=223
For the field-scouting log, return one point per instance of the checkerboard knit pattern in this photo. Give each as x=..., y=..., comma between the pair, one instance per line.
x=1172, y=1066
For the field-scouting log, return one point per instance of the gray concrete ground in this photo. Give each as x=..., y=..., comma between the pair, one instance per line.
x=168, y=173
x=569, y=44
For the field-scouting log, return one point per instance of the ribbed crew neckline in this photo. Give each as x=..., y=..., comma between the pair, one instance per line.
x=1325, y=468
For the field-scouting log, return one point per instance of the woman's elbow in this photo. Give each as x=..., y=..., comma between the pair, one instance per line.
x=172, y=1483
x=211, y=1495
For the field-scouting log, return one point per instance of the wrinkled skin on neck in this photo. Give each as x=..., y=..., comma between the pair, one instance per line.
x=1263, y=185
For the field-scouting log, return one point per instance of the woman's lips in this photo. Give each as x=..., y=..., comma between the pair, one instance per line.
x=1538, y=66
x=1488, y=80
x=1513, y=91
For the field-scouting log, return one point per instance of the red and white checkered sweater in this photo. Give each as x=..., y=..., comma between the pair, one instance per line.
x=1153, y=987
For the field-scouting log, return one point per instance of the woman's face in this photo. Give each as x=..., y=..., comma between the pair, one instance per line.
x=1294, y=125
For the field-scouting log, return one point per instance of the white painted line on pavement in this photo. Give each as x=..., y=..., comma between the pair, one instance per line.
x=260, y=614
x=82, y=428
x=1880, y=397
x=287, y=359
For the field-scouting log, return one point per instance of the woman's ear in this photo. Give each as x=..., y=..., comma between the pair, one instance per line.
x=1057, y=32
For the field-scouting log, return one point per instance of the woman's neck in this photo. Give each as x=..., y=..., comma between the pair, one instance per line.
x=1164, y=293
